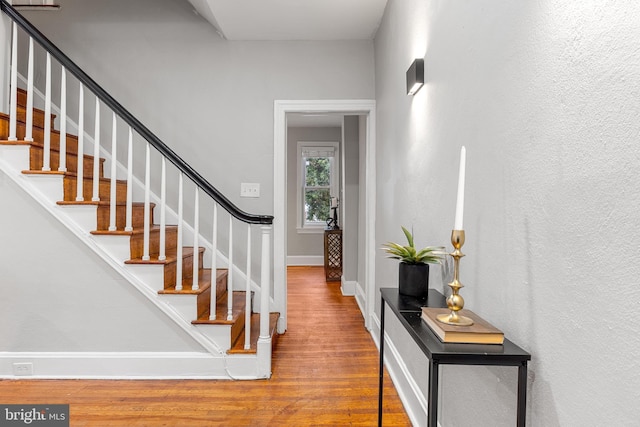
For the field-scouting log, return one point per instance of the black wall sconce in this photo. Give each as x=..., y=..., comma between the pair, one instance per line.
x=415, y=76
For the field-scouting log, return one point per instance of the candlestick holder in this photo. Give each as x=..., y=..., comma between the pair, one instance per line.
x=455, y=302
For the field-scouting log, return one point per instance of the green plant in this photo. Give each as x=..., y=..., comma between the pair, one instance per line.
x=409, y=255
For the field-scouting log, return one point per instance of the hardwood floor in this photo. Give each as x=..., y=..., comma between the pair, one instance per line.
x=325, y=373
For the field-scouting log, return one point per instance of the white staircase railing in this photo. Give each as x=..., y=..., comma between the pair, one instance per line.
x=177, y=168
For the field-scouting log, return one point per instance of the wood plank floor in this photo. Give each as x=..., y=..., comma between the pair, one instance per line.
x=325, y=373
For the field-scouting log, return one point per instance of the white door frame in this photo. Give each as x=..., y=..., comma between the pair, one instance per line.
x=281, y=108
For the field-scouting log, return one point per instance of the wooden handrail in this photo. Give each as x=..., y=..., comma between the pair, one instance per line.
x=132, y=121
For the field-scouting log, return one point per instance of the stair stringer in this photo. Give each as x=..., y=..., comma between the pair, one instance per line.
x=13, y=160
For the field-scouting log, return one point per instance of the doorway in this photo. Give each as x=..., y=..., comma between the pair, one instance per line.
x=364, y=293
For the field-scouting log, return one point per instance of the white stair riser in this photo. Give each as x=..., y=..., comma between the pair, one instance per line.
x=85, y=216
x=51, y=186
x=185, y=305
x=118, y=247
x=16, y=156
x=219, y=334
x=151, y=275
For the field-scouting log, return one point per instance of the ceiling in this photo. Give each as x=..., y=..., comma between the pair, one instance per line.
x=293, y=19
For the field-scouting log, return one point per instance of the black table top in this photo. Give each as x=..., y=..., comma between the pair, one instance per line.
x=409, y=310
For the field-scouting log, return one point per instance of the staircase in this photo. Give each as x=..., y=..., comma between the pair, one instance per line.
x=150, y=254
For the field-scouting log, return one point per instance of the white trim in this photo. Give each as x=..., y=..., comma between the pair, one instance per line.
x=281, y=108
x=129, y=365
x=303, y=260
x=348, y=287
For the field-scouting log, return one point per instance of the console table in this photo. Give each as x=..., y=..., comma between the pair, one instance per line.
x=409, y=310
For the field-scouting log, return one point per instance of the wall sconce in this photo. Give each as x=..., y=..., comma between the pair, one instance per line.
x=415, y=76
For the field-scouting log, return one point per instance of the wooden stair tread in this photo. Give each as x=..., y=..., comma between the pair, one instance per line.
x=68, y=174
x=153, y=228
x=40, y=144
x=204, y=282
x=18, y=142
x=238, y=346
x=171, y=257
x=102, y=203
x=55, y=133
x=41, y=172
x=221, y=312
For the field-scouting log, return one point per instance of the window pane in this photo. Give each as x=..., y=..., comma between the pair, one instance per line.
x=317, y=171
x=316, y=205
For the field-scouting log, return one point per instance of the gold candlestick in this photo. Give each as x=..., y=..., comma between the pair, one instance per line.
x=455, y=302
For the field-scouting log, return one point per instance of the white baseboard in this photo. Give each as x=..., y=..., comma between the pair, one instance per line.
x=129, y=365
x=360, y=298
x=348, y=287
x=301, y=260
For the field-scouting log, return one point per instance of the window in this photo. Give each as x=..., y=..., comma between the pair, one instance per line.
x=317, y=184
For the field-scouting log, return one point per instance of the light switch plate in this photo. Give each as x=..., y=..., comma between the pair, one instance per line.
x=248, y=189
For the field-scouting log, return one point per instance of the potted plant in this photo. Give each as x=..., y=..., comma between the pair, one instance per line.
x=413, y=278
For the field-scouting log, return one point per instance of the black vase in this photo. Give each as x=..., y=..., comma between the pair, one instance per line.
x=413, y=279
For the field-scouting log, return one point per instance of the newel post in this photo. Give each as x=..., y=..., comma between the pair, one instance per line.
x=264, y=341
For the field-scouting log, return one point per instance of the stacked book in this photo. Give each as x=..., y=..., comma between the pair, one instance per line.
x=481, y=332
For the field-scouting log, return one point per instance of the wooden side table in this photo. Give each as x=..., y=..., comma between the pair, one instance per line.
x=333, y=254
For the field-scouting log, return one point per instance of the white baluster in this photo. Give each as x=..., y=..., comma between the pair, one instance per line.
x=214, y=264
x=13, y=109
x=62, y=166
x=147, y=207
x=112, y=194
x=179, y=247
x=46, y=159
x=96, y=155
x=247, y=304
x=80, y=173
x=129, y=209
x=163, y=202
x=28, y=134
x=196, y=236
x=230, y=273
x=265, y=279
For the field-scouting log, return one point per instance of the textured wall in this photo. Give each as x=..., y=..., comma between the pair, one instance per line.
x=545, y=97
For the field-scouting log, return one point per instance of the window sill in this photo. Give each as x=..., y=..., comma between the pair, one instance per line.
x=310, y=230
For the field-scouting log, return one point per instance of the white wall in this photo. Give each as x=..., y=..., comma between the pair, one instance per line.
x=545, y=97
x=362, y=191
x=349, y=222
x=209, y=99
x=5, y=56
x=60, y=297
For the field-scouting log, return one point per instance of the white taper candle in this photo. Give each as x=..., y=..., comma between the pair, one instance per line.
x=460, y=200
